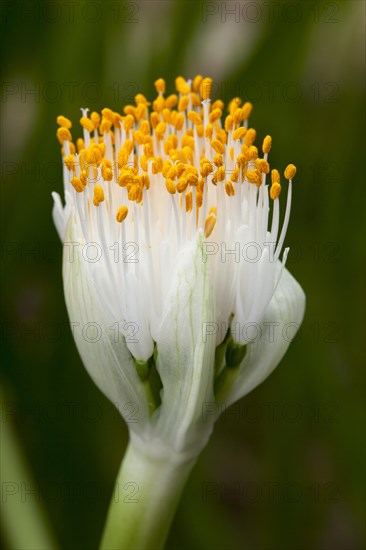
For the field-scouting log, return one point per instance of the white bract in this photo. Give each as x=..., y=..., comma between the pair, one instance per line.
x=174, y=280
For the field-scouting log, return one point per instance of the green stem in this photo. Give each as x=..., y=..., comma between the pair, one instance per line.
x=147, y=492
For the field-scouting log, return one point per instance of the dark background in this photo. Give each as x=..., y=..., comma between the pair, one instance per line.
x=285, y=466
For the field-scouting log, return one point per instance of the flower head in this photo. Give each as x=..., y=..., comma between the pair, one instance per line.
x=183, y=211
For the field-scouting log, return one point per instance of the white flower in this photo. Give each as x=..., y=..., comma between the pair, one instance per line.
x=170, y=260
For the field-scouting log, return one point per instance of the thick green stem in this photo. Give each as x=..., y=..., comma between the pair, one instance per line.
x=147, y=491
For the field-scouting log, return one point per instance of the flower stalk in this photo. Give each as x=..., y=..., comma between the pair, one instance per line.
x=147, y=491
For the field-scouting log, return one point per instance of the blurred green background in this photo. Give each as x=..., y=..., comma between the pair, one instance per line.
x=285, y=466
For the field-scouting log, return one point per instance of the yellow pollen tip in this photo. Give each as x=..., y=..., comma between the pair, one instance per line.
x=98, y=195
x=229, y=123
x=170, y=186
x=210, y=224
x=215, y=115
x=87, y=124
x=121, y=214
x=197, y=83
x=63, y=121
x=194, y=117
x=275, y=176
x=275, y=191
x=95, y=118
x=63, y=134
x=217, y=146
x=77, y=184
x=290, y=171
x=160, y=86
x=239, y=133
x=267, y=144
x=182, y=86
x=206, y=88
x=229, y=188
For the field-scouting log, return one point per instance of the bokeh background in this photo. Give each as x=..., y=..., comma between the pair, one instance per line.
x=285, y=467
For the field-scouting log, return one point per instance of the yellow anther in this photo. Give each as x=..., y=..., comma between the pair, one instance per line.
x=123, y=157
x=215, y=115
x=126, y=177
x=157, y=165
x=160, y=86
x=93, y=156
x=171, y=101
x=107, y=171
x=105, y=126
x=134, y=192
x=139, y=137
x=182, y=184
x=220, y=173
x=140, y=98
x=218, y=104
x=229, y=122
x=183, y=103
x=63, y=134
x=166, y=167
x=145, y=181
x=98, y=195
x=145, y=127
x=101, y=147
x=267, y=144
x=247, y=109
x=206, y=88
x=154, y=119
x=181, y=169
x=108, y=114
x=182, y=86
x=231, y=153
x=79, y=144
x=159, y=104
x=121, y=214
x=238, y=115
x=239, y=133
x=262, y=165
x=252, y=152
x=63, y=121
x=148, y=150
x=241, y=159
x=70, y=162
x=197, y=83
x=129, y=110
x=188, y=202
x=95, y=118
x=275, y=191
x=143, y=162
x=173, y=172
x=128, y=122
x=188, y=141
x=218, y=159
x=290, y=171
x=275, y=176
x=210, y=224
x=221, y=135
x=87, y=124
x=235, y=175
x=217, y=146
x=196, y=100
x=160, y=131
x=167, y=115
x=192, y=179
x=77, y=184
x=250, y=136
x=199, y=199
x=229, y=188
x=254, y=176
x=206, y=167
x=179, y=122
x=169, y=183
x=209, y=131
x=140, y=111
x=194, y=117
x=200, y=130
